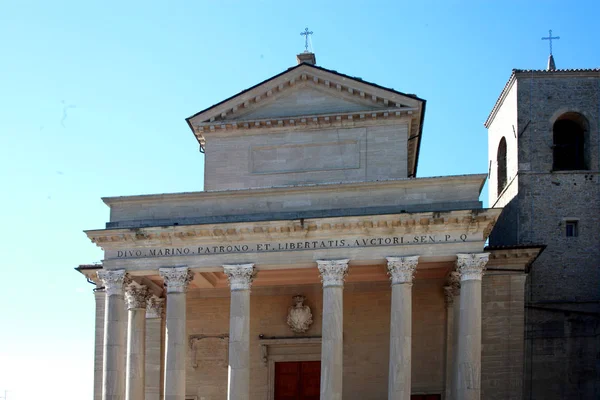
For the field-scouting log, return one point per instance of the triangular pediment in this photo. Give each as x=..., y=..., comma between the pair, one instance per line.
x=308, y=96
x=305, y=90
x=305, y=99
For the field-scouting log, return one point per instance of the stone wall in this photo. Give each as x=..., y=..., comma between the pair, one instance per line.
x=267, y=159
x=503, y=326
x=504, y=126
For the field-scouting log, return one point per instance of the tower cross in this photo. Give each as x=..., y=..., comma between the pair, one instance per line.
x=306, y=33
x=549, y=38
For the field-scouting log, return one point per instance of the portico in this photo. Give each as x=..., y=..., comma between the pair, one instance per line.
x=381, y=257
x=307, y=197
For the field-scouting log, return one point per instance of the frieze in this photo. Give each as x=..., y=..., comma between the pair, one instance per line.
x=296, y=245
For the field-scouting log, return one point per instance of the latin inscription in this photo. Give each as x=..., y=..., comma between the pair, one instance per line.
x=292, y=246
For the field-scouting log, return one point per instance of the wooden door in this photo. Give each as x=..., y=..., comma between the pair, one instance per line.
x=298, y=380
x=426, y=397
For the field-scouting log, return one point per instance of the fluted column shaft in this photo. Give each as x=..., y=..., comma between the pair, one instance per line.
x=113, y=368
x=154, y=346
x=136, y=295
x=240, y=280
x=470, y=268
x=333, y=273
x=401, y=271
x=176, y=282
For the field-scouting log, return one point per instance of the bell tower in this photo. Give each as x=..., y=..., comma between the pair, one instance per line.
x=544, y=171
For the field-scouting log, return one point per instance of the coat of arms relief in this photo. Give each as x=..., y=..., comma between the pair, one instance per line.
x=299, y=317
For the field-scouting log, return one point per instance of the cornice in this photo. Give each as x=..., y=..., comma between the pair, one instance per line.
x=305, y=188
x=508, y=258
x=409, y=223
x=90, y=272
x=308, y=121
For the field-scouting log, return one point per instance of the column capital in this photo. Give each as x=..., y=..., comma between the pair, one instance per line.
x=176, y=278
x=240, y=276
x=471, y=265
x=113, y=281
x=136, y=295
x=155, y=307
x=402, y=269
x=333, y=272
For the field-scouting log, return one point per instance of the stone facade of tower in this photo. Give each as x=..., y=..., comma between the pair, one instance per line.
x=556, y=207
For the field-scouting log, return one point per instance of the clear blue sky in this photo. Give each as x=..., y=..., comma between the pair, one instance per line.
x=94, y=96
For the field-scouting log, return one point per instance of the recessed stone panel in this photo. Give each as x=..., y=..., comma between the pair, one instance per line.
x=292, y=158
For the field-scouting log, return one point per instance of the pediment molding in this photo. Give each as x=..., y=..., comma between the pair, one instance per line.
x=337, y=85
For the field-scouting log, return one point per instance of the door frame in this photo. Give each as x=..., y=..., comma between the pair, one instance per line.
x=288, y=349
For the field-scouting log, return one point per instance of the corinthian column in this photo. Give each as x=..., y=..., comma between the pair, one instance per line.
x=333, y=273
x=99, y=295
x=401, y=271
x=176, y=282
x=136, y=296
x=240, y=280
x=113, y=368
x=452, y=293
x=470, y=267
x=154, y=336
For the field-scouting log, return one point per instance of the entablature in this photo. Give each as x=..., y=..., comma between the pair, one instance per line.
x=408, y=223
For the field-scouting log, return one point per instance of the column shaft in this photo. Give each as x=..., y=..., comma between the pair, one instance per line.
x=332, y=344
x=240, y=280
x=239, y=345
x=154, y=348
x=136, y=296
x=401, y=270
x=176, y=281
x=449, y=342
x=113, y=371
x=100, y=297
x=333, y=274
x=456, y=318
x=136, y=338
x=452, y=292
x=470, y=267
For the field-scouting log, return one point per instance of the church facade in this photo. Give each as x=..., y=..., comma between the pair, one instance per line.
x=315, y=265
